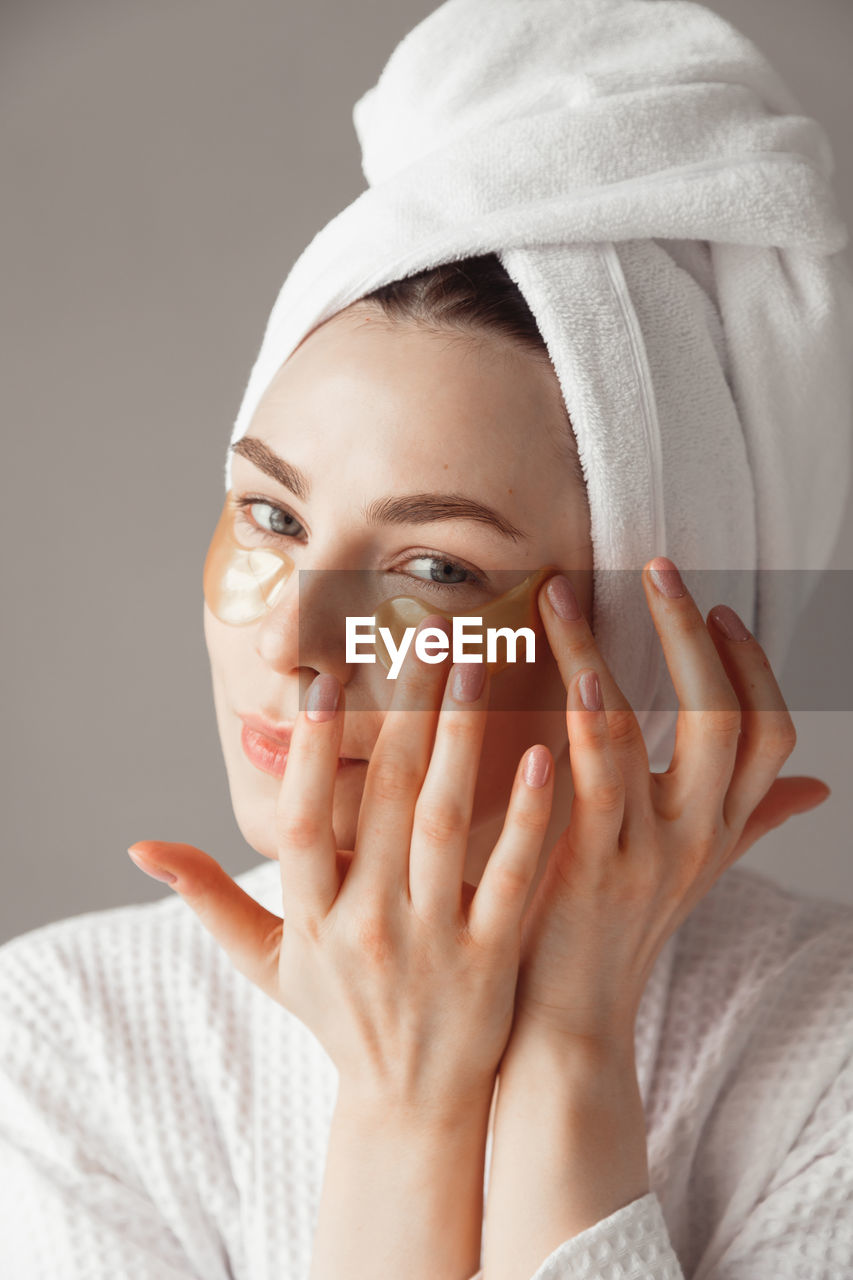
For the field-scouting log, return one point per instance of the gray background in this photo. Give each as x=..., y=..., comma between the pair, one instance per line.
x=163, y=164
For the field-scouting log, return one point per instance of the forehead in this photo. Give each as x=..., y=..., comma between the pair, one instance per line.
x=369, y=409
x=361, y=378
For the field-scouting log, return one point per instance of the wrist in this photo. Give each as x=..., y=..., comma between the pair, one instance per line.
x=593, y=1055
x=403, y=1186
x=579, y=1095
x=569, y=1144
x=371, y=1112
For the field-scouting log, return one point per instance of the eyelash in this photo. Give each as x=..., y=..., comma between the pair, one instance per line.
x=243, y=505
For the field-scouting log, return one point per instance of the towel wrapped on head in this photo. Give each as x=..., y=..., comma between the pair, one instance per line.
x=666, y=209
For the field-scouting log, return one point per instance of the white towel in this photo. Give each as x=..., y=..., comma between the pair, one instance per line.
x=665, y=207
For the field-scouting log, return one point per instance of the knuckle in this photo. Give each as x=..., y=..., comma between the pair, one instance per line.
x=707, y=839
x=643, y=882
x=777, y=738
x=439, y=824
x=691, y=864
x=374, y=939
x=723, y=722
x=301, y=829
x=608, y=796
x=311, y=748
x=394, y=780
x=509, y=883
x=530, y=819
x=458, y=726
x=691, y=625
x=702, y=846
x=584, y=648
x=622, y=726
x=311, y=927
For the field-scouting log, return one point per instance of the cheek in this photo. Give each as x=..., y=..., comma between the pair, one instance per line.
x=216, y=644
x=228, y=650
x=217, y=640
x=530, y=707
x=508, y=734
x=230, y=658
x=534, y=691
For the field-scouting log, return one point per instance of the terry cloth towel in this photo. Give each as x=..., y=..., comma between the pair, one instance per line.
x=665, y=207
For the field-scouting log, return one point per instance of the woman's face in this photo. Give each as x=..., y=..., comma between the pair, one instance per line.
x=367, y=410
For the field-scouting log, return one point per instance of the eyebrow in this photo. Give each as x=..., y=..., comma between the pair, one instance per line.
x=409, y=508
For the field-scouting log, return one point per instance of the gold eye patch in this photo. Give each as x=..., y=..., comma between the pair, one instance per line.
x=241, y=582
x=514, y=609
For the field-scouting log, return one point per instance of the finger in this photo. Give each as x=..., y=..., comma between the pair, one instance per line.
x=305, y=837
x=785, y=798
x=709, y=713
x=600, y=798
x=500, y=899
x=395, y=774
x=442, y=816
x=768, y=734
x=246, y=931
x=574, y=647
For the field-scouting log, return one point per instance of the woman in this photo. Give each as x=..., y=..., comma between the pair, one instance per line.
x=215, y=1091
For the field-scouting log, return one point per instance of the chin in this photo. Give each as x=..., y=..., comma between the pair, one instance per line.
x=254, y=811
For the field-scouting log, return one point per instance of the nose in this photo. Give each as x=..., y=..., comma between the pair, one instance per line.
x=305, y=628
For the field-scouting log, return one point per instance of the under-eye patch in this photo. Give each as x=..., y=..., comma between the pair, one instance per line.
x=241, y=582
x=514, y=609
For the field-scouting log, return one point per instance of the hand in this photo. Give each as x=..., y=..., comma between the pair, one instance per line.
x=404, y=973
x=641, y=849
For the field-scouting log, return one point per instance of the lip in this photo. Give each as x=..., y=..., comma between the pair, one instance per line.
x=280, y=733
x=266, y=746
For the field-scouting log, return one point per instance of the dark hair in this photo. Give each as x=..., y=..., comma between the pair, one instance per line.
x=472, y=294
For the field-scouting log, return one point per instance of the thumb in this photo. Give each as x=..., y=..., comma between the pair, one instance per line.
x=246, y=931
x=785, y=797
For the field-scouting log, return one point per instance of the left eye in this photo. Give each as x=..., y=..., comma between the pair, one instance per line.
x=439, y=581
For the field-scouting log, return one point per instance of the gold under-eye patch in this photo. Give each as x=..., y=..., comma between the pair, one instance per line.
x=241, y=582
x=515, y=608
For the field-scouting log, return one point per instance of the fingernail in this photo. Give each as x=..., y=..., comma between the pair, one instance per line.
x=590, y=690
x=321, y=701
x=666, y=578
x=156, y=873
x=537, y=766
x=729, y=622
x=562, y=597
x=467, y=680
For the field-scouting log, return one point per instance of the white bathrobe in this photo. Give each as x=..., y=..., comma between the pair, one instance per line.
x=162, y=1119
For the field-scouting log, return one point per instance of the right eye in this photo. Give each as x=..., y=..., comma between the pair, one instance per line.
x=278, y=524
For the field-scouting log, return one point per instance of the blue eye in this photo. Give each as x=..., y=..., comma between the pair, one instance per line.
x=243, y=504
x=288, y=522
x=441, y=583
